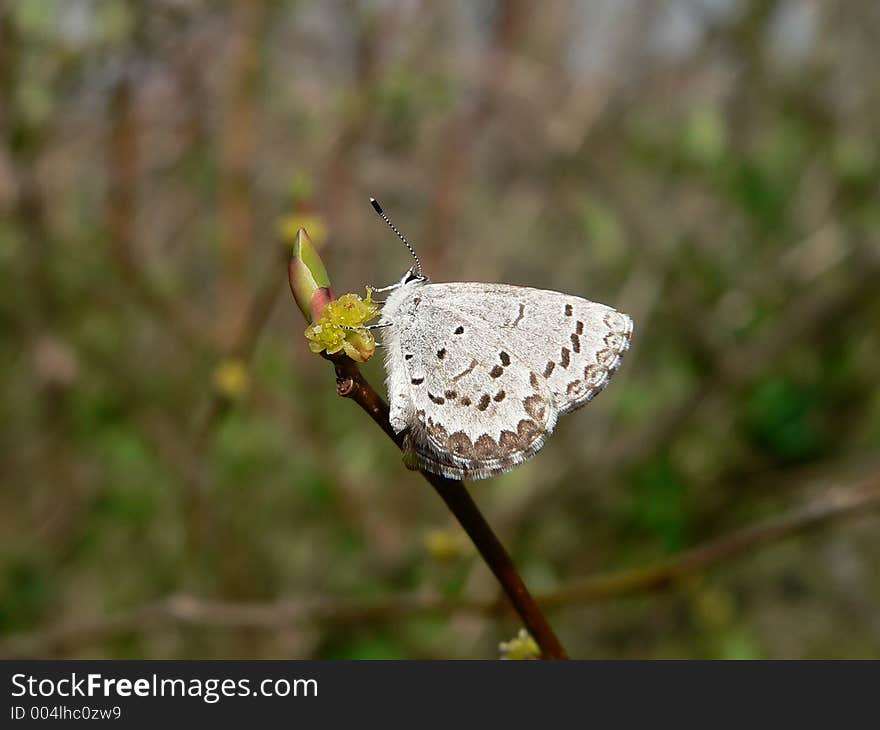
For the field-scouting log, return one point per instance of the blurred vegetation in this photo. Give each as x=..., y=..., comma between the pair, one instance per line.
x=711, y=168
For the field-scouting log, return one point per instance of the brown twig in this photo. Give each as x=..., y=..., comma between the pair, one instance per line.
x=374, y=30
x=836, y=504
x=238, y=144
x=465, y=127
x=839, y=503
x=807, y=315
x=218, y=404
x=351, y=384
x=123, y=176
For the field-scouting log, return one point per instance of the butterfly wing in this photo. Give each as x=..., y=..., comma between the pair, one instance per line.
x=468, y=407
x=576, y=345
x=478, y=373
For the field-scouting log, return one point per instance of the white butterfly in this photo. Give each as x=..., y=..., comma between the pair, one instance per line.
x=479, y=373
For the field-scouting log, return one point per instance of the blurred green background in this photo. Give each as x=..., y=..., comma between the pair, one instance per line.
x=180, y=480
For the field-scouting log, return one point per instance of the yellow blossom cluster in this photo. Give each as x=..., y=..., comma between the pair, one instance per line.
x=522, y=646
x=341, y=328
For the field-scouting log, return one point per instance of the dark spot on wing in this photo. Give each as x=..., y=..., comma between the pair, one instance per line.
x=527, y=430
x=460, y=444
x=408, y=356
x=466, y=371
x=438, y=399
x=534, y=406
x=522, y=311
x=593, y=374
x=459, y=330
x=496, y=371
x=617, y=341
x=579, y=328
x=564, y=358
x=450, y=395
x=465, y=401
x=548, y=370
x=568, y=310
x=417, y=381
x=575, y=343
x=505, y=358
x=499, y=396
x=441, y=353
x=484, y=402
x=509, y=442
x=485, y=447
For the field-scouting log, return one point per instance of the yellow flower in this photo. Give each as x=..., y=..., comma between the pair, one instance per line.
x=522, y=646
x=341, y=328
x=445, y=545
x=231, y=378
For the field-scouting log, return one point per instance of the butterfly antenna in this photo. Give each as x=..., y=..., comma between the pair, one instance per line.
x=378, y=209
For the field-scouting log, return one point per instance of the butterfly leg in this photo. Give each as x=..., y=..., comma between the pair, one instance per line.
x=376, y=326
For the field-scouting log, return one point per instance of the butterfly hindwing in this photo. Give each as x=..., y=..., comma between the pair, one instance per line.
x=469, y=407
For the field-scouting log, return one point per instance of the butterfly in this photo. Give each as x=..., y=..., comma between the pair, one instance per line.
x=478, y=374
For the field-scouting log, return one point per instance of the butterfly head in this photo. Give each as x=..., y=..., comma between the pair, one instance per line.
x=413, y=277
x=402, y=292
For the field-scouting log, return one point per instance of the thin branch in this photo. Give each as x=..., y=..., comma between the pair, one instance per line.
x=811, y=313
x=123, y=178
x=238, y=144
x=351, y=384
x=374, y=30
x=258, y=312
x=837, y=504
x=218, y=405
x=460, y=137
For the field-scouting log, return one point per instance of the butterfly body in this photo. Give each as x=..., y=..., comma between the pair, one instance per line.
x=479, y=373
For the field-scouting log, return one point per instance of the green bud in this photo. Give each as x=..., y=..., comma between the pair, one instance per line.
x=308, y=278
x=336, y=325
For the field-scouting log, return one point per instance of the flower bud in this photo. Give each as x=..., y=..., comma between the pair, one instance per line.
x=308, y=278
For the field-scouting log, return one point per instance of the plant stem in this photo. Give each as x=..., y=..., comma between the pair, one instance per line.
x=351, y=384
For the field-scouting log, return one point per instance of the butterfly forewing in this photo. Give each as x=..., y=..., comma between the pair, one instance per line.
x=477, y=373
x=574, y=344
